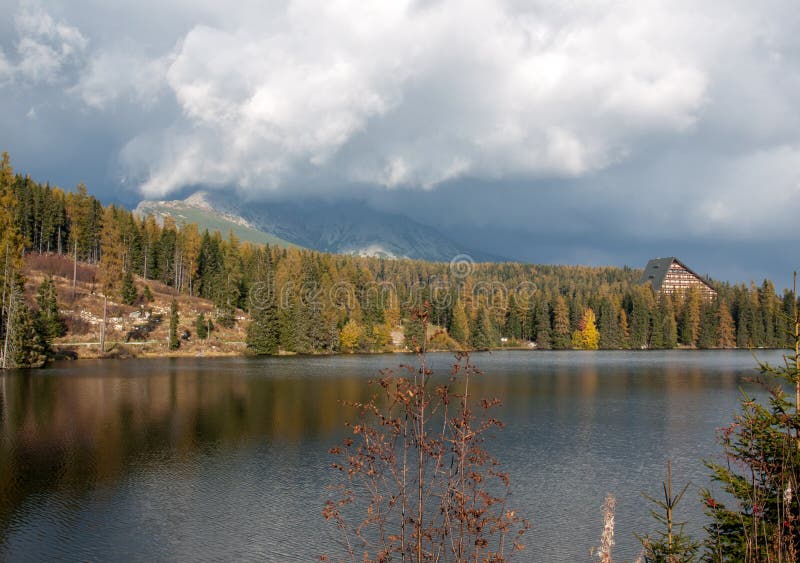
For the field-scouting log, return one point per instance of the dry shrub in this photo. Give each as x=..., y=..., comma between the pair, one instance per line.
x=78, y=326
x=59, y=265
x=416, y=483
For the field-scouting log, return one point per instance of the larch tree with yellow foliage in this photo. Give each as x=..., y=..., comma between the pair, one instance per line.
x=587, y=337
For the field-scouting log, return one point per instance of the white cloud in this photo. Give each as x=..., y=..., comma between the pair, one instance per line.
x=111, y=75
x=45, y=47
x=396, y=94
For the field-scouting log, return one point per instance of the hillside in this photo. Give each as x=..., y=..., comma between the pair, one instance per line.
x=141, y=330
x=205, y=217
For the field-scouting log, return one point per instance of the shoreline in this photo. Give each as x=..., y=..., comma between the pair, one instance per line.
x=72, y=351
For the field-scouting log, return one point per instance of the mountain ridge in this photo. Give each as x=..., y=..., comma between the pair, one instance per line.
x=340, y=227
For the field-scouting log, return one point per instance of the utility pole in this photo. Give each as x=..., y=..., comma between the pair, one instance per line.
x=7, y=310
x=103, y=327
x=75, y=268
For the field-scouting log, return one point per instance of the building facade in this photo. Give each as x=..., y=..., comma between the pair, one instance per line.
x=670, y=275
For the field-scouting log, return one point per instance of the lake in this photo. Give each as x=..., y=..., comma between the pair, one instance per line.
x=198, y=459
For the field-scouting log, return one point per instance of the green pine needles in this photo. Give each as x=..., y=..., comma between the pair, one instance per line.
x=759, y=521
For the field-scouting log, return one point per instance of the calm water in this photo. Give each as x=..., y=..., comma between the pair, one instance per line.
x=226, y=459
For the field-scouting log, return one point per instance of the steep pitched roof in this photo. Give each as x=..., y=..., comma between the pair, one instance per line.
x=657, y=268
x=656, y=271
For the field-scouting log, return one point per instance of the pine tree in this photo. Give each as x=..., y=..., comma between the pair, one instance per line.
x=481, y=335
x=690, y=318
x=624, y=331
x=174, y=341
x=608, y=325
x=48, y=320
x=263, y=332
x=709, y=322
x=669, y=324
x=542, y=325
x=23, y=344
x=758, y=519
x=129, y=294
x=202, y=326
x=642, y=310
x=459, y=326
x=513, y=320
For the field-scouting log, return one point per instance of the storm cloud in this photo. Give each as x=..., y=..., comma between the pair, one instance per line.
x=585, y=126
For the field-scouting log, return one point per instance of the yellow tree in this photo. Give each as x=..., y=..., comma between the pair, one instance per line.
x=112, y=252
x=587, y=337
x=189, y=241
x=351, y=335
x=10, y=259
x=78, y=211
x=10, y=237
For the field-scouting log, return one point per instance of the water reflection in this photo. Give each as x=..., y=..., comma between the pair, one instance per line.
x=226, y=457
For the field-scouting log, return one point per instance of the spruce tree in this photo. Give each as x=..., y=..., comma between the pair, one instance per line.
x=757, y=520
x=669, y=325
x=482, y=336
x=608, y=325
x=691, y=318
x=129, y=294
x=459, y=326
x=263, y=332
x=513, y=320
x=174, y=341
x=49, y=322
x=542, y=325
x=202, y=326
x=23, y=344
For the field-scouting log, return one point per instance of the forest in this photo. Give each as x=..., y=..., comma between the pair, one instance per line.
x=301, y=301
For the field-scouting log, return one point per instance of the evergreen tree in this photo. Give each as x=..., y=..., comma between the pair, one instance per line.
x=263, y=332
x=691, y=318
x=481, y=335
x=459, y=325
x=624, y=330
x=48, y=320
x=709, y=321
x=668, y=322
x=174, y=341
x=608, y=325
x=760, y=473
x=744, y=314
x=513, y=320
x=129, y=294
x=642, y=309
x=24, y=345
x=542, y=325
x=202, y=326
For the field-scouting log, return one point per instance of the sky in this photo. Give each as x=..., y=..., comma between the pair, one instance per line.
x=602, y=132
